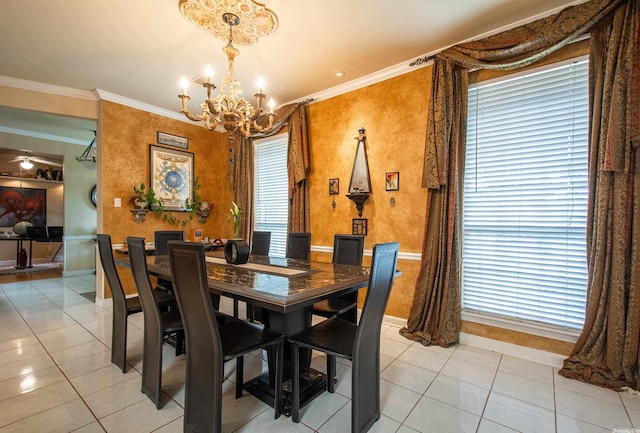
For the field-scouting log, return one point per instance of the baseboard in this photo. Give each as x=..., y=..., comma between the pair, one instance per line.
x=78, y=272
x=536, y=355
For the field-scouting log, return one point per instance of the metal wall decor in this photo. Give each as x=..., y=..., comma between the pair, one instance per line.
x=360, y=185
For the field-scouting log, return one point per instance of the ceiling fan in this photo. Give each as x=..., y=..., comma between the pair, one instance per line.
x=27, y=161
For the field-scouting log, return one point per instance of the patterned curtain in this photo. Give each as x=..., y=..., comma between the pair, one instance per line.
x=435, y=313
x=298, y=167
x=606, y=352
x=293, y=115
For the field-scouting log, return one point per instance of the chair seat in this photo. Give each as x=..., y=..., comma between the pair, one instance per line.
x=239, y=337
x=133, y=305
x=333, y=307
x=164, y=298
x=334, y=336
x=171, y=321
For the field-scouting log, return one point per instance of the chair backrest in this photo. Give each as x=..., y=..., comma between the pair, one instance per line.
x=161, y=237
x=55, y=232
x=138, y=261
x=348, y=249
x=298, y=246
x=109, y=267
x=383, y=269
x=205, y=365
x=260, y=243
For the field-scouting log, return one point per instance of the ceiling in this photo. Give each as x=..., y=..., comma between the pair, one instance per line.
x=141, y=49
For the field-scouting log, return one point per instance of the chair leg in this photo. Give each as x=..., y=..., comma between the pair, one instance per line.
x=235, y=308
x=179, y=343
x=295, y=383
x=239, y=375
x=331, y=373
x=119, y=341
x=277, y=402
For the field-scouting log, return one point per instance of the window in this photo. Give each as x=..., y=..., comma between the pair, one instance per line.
x=271, y=206
x=525, y=197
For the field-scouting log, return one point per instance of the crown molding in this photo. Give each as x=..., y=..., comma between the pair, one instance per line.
x=46, y=88
x=123, y=100
x=42, y=136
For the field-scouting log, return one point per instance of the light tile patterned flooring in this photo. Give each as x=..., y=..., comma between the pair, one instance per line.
x=56, y=375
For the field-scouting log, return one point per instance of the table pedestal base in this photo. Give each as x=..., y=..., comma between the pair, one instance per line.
x=312, y=384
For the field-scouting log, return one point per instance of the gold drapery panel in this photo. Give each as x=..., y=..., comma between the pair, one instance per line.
x=293, y=115
x=437, y=297
x=434, y=317
x=298, y=165
x=606, y=352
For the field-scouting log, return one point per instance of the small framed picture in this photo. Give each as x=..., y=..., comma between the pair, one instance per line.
x=334, y=186
x=173, y=140
x=359, y=226
x=393, y=181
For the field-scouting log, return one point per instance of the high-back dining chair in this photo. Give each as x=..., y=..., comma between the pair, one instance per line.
x=359, y=343
x=160, y=239
x=122, y=306
x=347, y=250
x=157, y=324
x=298, y=246
x=260, y=243
x=209, y=345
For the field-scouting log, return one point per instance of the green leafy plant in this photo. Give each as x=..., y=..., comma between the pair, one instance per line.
x=236, y=217
x=156, y=205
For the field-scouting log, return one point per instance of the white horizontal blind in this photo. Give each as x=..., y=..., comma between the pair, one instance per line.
x=525, y=197
x=271, y=192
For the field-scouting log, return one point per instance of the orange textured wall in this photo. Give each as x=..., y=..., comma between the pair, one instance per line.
x=393, y=115
x=126, y=135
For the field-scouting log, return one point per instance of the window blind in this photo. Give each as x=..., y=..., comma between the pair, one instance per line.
x=271, y=211
x=525, y=197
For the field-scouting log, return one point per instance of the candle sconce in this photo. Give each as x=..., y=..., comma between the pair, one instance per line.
x=139, y=215
x=360, y=185
x=204, y=209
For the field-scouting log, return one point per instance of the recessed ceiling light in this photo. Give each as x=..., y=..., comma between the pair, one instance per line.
x=339, y=73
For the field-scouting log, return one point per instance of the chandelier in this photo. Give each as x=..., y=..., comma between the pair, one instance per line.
x=229, y=108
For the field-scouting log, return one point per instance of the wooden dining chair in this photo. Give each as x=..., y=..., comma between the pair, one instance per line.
x=157, y=324
x=298, y=246
x=122, y=306
x=210, y=345
x=260, y=243
x=347, y=250
x=360, y=343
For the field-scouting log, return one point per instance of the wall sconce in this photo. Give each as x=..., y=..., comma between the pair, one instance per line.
x=139, y=215
x=204, y=209
x=360, y=185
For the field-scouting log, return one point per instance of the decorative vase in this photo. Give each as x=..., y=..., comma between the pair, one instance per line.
x=236, y=251
x=140, y=202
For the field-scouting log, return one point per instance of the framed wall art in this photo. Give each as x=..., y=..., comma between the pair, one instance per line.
x=23, y=204
x=173, y=140
x=334, y=186
x=359, y=226
x=393, y=181
x=171, y=173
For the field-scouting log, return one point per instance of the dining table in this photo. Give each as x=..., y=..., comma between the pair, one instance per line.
x=286, y=290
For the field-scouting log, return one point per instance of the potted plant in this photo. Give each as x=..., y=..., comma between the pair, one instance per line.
x=143, y=197
x=236, y=251
x=236, y=217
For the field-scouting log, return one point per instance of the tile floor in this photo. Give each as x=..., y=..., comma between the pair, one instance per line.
x=56, y=376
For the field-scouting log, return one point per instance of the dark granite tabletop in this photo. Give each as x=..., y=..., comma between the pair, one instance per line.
x=278, y=284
